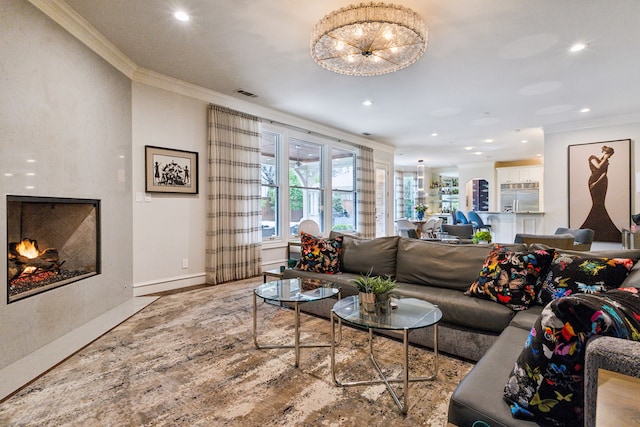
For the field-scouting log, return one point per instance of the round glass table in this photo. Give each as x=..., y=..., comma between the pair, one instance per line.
x=406, y=315
x=292, y=291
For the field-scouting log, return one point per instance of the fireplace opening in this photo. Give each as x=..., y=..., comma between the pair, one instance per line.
x=51, y=242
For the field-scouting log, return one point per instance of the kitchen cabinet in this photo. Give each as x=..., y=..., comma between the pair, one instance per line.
x=520, y=174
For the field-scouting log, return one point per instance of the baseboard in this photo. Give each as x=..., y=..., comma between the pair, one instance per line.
x=30, y=367
x=168, y=284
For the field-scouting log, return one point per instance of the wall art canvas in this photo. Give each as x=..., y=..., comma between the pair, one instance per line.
x=170, y=171
x=600, y=188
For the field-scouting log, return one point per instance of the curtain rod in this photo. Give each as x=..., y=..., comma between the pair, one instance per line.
x=297, y=128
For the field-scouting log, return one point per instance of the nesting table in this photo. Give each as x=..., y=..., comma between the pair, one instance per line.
x=292, y=291
x=410, y=314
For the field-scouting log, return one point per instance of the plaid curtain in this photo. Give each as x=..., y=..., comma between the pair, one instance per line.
x=366, y=191
x=234, y=239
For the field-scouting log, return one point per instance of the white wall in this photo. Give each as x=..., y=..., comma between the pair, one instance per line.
x=64, y=107
x=556, y=162
x=168, y=228
x=468, y=172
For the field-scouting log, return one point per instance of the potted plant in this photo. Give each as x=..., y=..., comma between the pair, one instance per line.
x=482, y=236
x=420, y=208
x=373, y=292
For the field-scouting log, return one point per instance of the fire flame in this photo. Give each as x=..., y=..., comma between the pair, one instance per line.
x=27, y=249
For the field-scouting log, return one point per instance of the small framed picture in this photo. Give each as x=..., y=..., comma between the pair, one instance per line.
x=170, y=171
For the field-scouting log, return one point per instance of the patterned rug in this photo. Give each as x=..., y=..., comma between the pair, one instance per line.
x=188, y=359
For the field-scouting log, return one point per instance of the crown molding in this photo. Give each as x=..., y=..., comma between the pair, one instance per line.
x=65, y=16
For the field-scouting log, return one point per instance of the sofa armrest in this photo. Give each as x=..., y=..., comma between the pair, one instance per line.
x=613, y=354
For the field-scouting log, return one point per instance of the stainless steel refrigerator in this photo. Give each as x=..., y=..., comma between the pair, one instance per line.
x=520, y=197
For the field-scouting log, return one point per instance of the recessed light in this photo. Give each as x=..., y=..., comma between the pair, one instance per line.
x=538, y=155
x=367, y=103
x=434, y=134
x=8, y=174
x=524, y=141
x=31, y=174
x=29, y=187
x=488, y=141
x=181, y=16
x=577, y=47
x=31, y=161
x=478, y=153
x=585, y=110
x=468, y=148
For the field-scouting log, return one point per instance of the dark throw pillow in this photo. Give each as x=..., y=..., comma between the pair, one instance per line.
x=547, y=382
x=320, y=255
x=512, y=278
x=573, y=274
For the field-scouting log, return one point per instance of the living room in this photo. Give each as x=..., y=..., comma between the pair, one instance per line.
x=76, y=116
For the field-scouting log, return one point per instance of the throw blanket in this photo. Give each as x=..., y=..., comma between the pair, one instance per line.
x=547, y=381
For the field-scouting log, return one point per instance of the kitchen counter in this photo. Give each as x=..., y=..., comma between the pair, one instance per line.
x=505, y=225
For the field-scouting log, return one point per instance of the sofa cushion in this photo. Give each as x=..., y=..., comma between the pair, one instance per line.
x=319, y=255
x=473, y=313
x=377, y=256
x=441, y=264
x=512, y=278
x=571, y=274
x=547, y=380
x=478, y=399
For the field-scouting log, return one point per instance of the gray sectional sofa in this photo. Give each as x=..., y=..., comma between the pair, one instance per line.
x=479, y=330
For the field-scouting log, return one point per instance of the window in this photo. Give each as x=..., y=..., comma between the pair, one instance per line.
x=305, y=184
x=270, y=148
x=343, y=195
x=409, y=193
x=305, y=176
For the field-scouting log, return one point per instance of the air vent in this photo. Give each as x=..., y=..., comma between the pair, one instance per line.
x=245, y=93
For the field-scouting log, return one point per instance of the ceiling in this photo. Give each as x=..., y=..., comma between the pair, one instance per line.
x=493, y=69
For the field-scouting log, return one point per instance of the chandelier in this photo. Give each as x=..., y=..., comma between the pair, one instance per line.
x=369, y=39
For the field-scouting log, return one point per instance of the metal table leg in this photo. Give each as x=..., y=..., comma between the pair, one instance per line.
x=406, y=379
x=296, y=344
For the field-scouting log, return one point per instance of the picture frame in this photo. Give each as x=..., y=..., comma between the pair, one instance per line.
x=169, y=170
x=599, y=188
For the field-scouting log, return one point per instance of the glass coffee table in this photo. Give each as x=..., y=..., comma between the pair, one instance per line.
x=407, y=315
x=292, y=291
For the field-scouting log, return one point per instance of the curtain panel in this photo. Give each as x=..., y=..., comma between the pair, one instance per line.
x=366, y=191
x=234, y=238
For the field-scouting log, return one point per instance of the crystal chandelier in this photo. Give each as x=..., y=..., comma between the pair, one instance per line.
x=369, y=39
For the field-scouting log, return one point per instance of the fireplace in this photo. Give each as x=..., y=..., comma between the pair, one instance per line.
x=51, y=242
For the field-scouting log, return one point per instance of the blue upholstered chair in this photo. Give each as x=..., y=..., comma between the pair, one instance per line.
x=461, y=218
x=477, y=222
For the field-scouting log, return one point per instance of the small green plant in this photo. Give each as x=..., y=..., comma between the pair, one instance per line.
x=482, y=236
x=374, y=284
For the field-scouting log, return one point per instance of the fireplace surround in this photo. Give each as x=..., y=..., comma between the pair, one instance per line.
x=51, y=242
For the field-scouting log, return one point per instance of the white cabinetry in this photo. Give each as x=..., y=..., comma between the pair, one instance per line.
x=520, y=174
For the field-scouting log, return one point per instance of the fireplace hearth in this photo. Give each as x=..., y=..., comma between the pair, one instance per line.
x=51, y=242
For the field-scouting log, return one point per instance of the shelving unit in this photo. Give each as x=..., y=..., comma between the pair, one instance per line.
x=443, y=195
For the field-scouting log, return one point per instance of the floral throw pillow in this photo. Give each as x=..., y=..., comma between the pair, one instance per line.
x=320, y=255
x=572, y=274
x=512, y=278
x=546, y=384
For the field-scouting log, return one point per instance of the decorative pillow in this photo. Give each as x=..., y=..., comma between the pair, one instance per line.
x=547, y=381
x=571, y=274
x=320, y=255
x=512, y=278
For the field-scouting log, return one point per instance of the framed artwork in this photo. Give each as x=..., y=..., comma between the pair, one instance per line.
x=600, y=188
x=170, y=171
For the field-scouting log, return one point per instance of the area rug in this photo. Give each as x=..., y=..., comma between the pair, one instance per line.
x=188, y=359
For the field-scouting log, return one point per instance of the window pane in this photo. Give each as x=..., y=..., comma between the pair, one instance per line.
x=342, y=167
x=304, y=163
x=270, y=211
x=409, y=196
x=270, y=191
x=342, y=212
x=268, y=160
x=304, y=204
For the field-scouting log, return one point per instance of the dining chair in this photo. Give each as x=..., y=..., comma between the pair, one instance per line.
x=477, y=222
